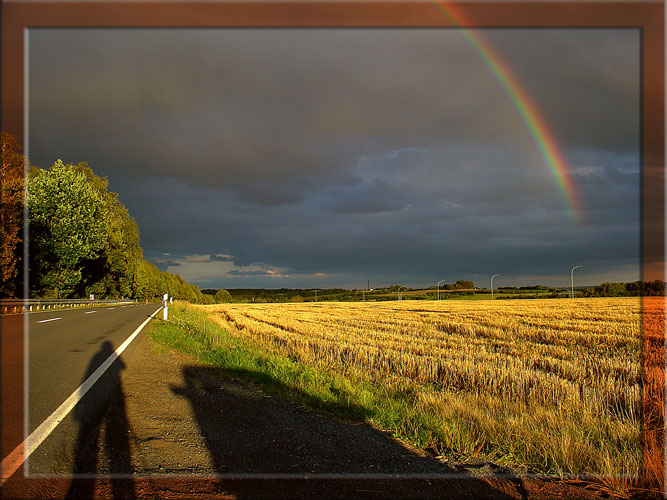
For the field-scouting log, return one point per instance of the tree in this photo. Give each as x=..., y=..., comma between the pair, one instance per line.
x=465, y=284
x=68, y=224
x=154, y=283
x=140, y=285
x=12, y=205
x=83, y=240
x=115, y=272
x=656, y=287
x=222, y=296
x=207, y=299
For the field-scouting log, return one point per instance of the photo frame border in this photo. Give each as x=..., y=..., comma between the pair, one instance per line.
x=18, y=17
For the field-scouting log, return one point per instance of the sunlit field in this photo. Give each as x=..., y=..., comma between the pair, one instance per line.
x=549, y=386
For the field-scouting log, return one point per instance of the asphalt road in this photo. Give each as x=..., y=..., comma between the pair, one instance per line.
x=64, y=347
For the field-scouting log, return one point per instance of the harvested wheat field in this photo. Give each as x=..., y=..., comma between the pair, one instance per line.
x=541, y=386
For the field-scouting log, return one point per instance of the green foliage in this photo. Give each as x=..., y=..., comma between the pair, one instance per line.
x=222, y=296
x=651, y=288
x=68, y=224
x=612, y=289
x=633, y=289
x=12, y=203
x=83, y=240
x=115, y=272
x=464, y=284
x=207, y=298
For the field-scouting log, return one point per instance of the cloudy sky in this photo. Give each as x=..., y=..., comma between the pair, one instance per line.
x=329, y=157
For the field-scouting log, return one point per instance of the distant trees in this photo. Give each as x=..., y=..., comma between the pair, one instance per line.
x=12, y=204
x=464, y=284
x=156, y=283
x=650, y=288
x=611, y=290
x=222, y=296
x=634, y=288
x=207, y=298
x=459, y=285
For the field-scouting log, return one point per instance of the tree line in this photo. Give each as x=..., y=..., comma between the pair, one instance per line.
x=631, y=289
x=82, y=239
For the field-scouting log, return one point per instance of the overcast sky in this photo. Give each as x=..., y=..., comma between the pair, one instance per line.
x=329, y=157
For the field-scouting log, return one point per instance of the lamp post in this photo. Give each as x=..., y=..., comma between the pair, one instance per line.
x=572, y=281
x=441, y=281
x=399, y=291
x=492, y=284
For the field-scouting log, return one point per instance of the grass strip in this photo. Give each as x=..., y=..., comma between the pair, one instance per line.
x=189, y=331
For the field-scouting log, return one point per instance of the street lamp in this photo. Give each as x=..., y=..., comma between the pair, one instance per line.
x=492, y=284
x=572, y=280
x=441, y=281
x=399, y=291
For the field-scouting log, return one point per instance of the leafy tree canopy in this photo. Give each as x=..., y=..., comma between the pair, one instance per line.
x=12, y=203
x=68, y=223
x=222, y=296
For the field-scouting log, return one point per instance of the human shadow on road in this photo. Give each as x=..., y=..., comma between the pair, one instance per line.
x=102, y=411
x=249, y=432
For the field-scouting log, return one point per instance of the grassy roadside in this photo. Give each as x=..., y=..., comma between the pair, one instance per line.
x=190, y=331
x=411, y=415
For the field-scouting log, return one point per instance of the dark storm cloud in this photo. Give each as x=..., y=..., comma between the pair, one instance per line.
x=379, y=197
x=226, y=107
x=588, y=87
x=166, y=264
x=312, y=155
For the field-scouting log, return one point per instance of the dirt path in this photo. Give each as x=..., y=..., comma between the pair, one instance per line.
x=200, y=434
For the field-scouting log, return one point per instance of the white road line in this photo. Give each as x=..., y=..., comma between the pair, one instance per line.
x=47, y=320
x=90, y=312
x=19, y=455
x=111, y=308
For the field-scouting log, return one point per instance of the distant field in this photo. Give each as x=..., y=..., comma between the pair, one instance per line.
x=541, y=385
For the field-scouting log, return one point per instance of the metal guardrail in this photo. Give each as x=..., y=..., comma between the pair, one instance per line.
x=8, y=306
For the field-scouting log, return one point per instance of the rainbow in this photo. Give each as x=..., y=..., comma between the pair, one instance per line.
x=538, y=128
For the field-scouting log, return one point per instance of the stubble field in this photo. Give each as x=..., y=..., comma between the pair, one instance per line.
x=550, y=386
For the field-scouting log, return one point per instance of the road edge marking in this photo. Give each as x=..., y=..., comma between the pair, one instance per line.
x=47, y=320
x=20, y=454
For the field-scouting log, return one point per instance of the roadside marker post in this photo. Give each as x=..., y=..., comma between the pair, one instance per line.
x=165, y=313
